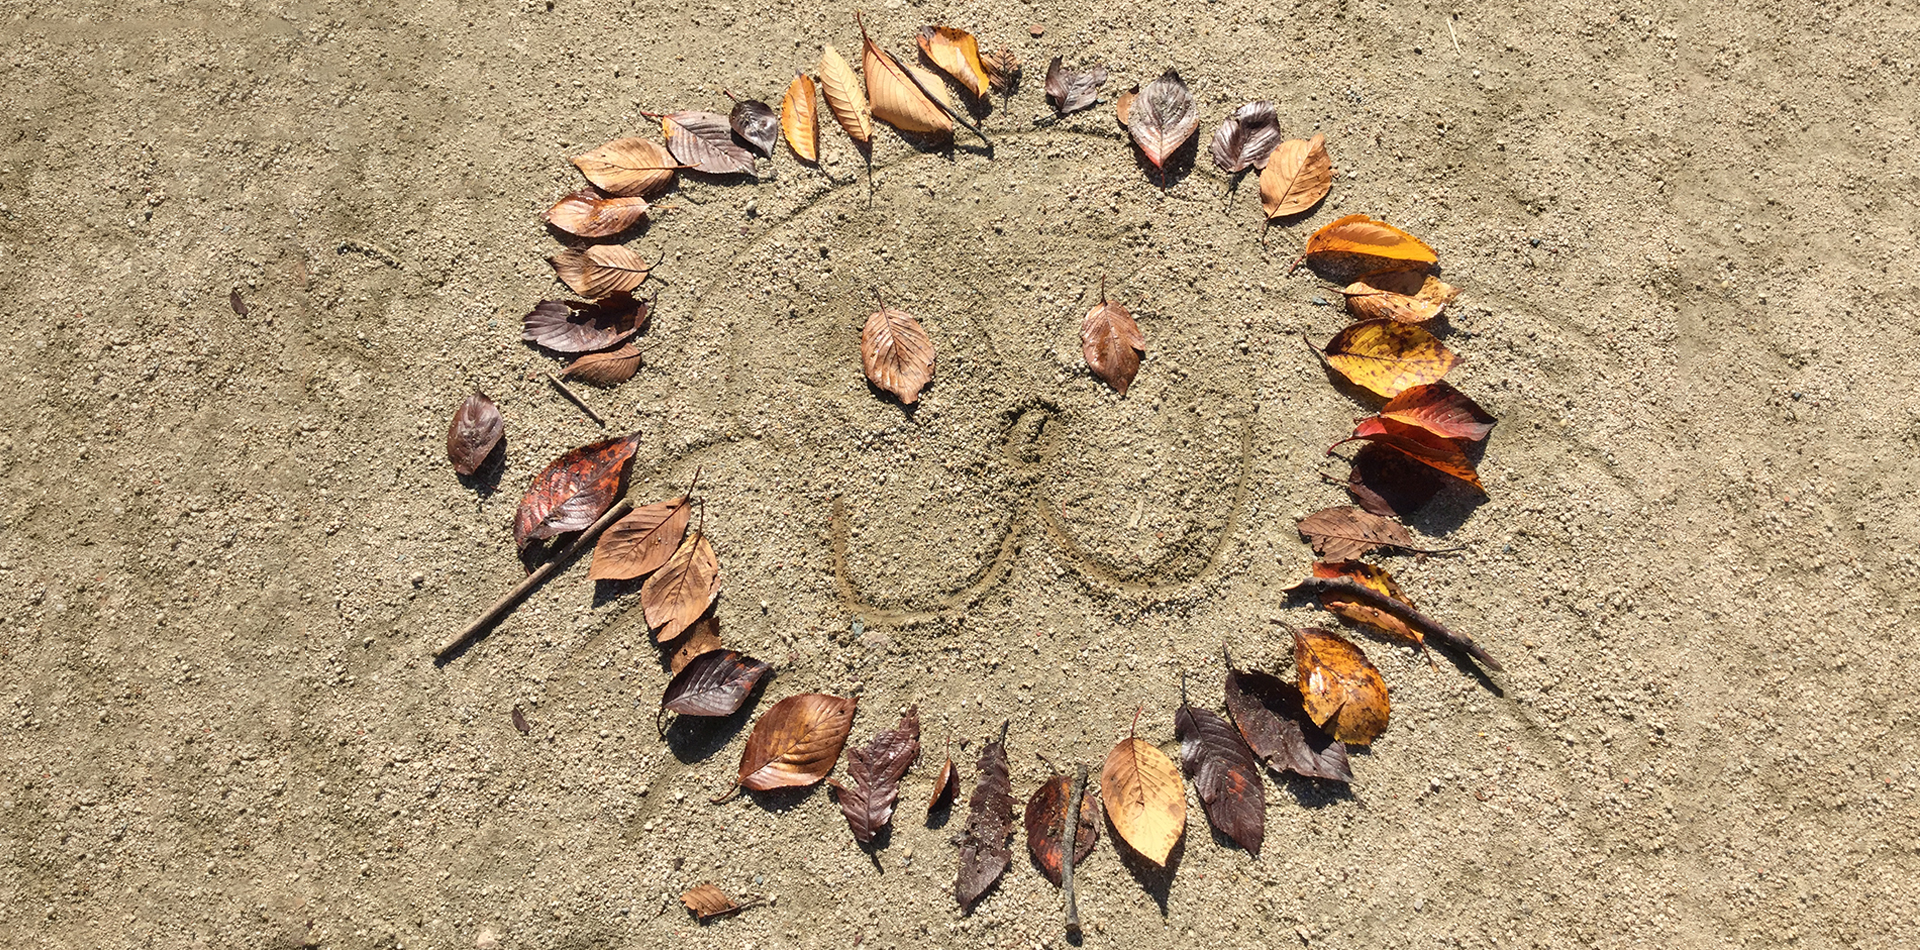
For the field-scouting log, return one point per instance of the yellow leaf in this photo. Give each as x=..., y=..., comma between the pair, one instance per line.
x=800, y=120
x=1377, y=578
x=957, y=54
x=1361, y=235
x=1409, y=295
x=1339, y=687
x=1145, y=800
x=1388, y=357
x=844, y=96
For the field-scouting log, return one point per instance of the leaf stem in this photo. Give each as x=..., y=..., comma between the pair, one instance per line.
x=506, y=604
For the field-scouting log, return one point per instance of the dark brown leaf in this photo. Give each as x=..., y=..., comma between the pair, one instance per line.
x=1112, y=344
x=1269, y=715
x=1072, y=90
x=683, y=588
x=1246, y=138
x=642, y=541
x=1163, y=118
x=576, y=326
x=605, y=370
x=1390, y=483
x=474, y=433
x=588, y=213
x=239, y=306
x=703, y=141
x=945, y=786
x=896, y=353
x=796, y=742
x=984, y=854
x=1003, y=70
x=1223, y=772
x=520, y=721
x=757, y=124
x=877, y=770
x=573, y=490
x=1046, y=821
x=715, y=683
x=1344, y=532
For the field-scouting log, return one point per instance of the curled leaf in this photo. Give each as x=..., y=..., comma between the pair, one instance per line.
x=1298, y=174
x=1440, y=409
x=1391, y=483
x=800, y=119
x=674, y=596
x=573, y=490
x=581, y=327
x=896, y=353
x=715, y=683
x=796, y=742
x=945, y=787
x=588, y=213
x=1112, y=344
x=1245, y=139
x=629, y=167
x=1224, y=774
x=474, y=433
x=1003, y=70
x=897, y=99
x=1144, y=798
x=1268, y=713
x=703, y=141
x=1046, y=823
x=984, y=854
x=844, y=95
x=1123, y=105
x=1163, y=118
x=1339, y=687
x=957, y=54
x=1438, y=452
x=601, y=270
x=756, y=124
x=877, y=770
x=642, y=541
x=1072, y=90
x=705, y=902
x=1406, y=294
x=607, y=369
x=1387, y=357
x=1359, y=239
x=1340, y=533
x=1377, y=578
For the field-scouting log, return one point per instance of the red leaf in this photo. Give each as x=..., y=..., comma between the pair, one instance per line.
x=573, y=490
x=1440, y=409
x=1046, y=822
x=1441, y=453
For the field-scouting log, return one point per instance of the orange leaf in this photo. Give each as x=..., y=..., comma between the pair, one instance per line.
x=957, y=54
x=1361, y=236
x=573, y=490
x=1144, y=797
x=1162, y=118
x=844, y=97
x=1298, y=174
x=796, y=742
x=897, y=100
x=1339, y=686
x=642, y=541
x=682, y=589
x=707, y=901
x=896, y=353
x=1409, y=295
x=605, y=370
x=1377, y=578
x=800, y=119
x=1046, y=823
x=1387, y=357
x=1112, y=344
x=1442, y=410
x=1437, y=451
x=629, y=167
x=601, y=270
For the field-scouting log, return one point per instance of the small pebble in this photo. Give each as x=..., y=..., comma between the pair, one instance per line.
x=1036, y=28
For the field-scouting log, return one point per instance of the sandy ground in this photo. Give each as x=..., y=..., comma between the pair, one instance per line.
x=230, y=543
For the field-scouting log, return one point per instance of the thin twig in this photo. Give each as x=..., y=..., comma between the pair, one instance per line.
x=1408, y=614
x=574, y=397
x=1072, y=824
x=505, y=605
x=1456, y=38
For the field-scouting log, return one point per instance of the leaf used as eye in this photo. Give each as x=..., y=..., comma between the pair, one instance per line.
x=1246, y=138
x=1388, y=357
x=715, y=683
x=1163, y=118
x=1046, y=824
x=1224, y=774
x=1072, y=89
x=896, y=353
x=800, y=119
x=601, y=270
x=706, y=902
x=588, y=213
x=581, y=327
x=845, y=96
x=1359, y=244
x=1341, y=533
x=1003, y=70
x=1145, y=800
x=1268, y=713
x=796, y=742
x=629, y=167
x=605, y=370
x=674, y=596
x=984, y=854
x=1441, y=453
x=876, y=771
x=1339, y=687
x=957, y=54
x=1298, y=174
x=1112, y=344
x=1406, y=294
x=642, y=541
x=573, y=490
x=1377, y=578
x=703, y=141
x=474, y=433
x=756, y=124
x=897, y=99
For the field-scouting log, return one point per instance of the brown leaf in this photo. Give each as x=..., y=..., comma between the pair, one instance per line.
x=706, y=902
x=588, y=213
x=573, y=490
x=1224, y=774
x=755, y=123
x=1072, y=90
x=520, y=721
x=237, y=303
x=897, y=99
x=630, y=167
x=642, y=541
x=1003, y=70
x=703, y=141
x=702, y=638
x=877, y=770
x=896, y=353
x=1391, y=483
x=607, y=369
x=682, y=589
x=1339, y=687
x=1298, y=174
x=1267, y=711
x=1388, y=357
x=1144, y=798
x=1440, y=409
x=1406, y=294
x=945, y=786
x=474, y=434
x=1374, y=577
x=984, y=854
x=1046, y=822
x=800, y=119
x=1340, y=533
x=957, y=54
x=715, y=683
x=1441, y=453
x=1112, y=344
x=1246, y=138
x=1123, y=105
x=601, y=270
x=1163, y=118
x=796, y=742
x=577, y=326
x=844, y=95
x=1358, y=237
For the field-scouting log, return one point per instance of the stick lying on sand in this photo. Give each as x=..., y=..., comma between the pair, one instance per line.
x=1413, y=618
x=505, y=605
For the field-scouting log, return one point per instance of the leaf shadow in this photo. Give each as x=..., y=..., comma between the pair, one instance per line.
x=773, y=800
x=1313, y=792
x=485, y=480
x=606, y=591
x=1179, y=165
x=694, y=739
x=939, y=816
x=1154, y=879
x=909, y=408
x=1447, y=511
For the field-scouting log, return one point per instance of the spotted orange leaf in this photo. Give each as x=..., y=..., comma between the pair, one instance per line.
x=1340, y=688
x=1387, y=357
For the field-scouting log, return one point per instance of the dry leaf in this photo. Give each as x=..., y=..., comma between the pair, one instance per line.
x=796, y=742
x=1003, y=70
x=630, y=167
x=1387, y=357
x=1268, y=712
x=703, y=141
x=957, y=54
x=1123, y=105
x=800, y=120
x=707, y=902
x=945, y=786
x=1112, y=344
x=1246, y=138
x=1390, y=483
x=1224, y=775
x=682, y=589
x=1439, y=452
x=520, y=723
x=896, y=353
x=896, y=99
x=845, y=99
x=588, y=213
x=474, y=433
x=1360, y=239
x=1072, y=90
x=1046, y=823
x=1406, y=294
x=1163, y=118
x=1342, y=533
x=1339, y=687
x=1442, y=410
x=984, y=854
x=236, y=302
x=1298, y=174
x=601, y=270
x=577, y=326
x=699, y=640
x=607, y=369
x=756, y=124
x=715, y=683
x=1144, y=798
x=1378, y=579
x=574, y=490
x=642, y=541
x=877, y=770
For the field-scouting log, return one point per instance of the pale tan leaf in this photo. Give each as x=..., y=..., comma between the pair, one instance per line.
x=587, y=213
x=606, y=370
x=1112, y=344
x=896, y=353
x=1144, y=797
x=1299, y=173
x=682, y=589
x=897, y=100
x=628, y=167
x=957, y=54
x=601, y=270
x=845, y=98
